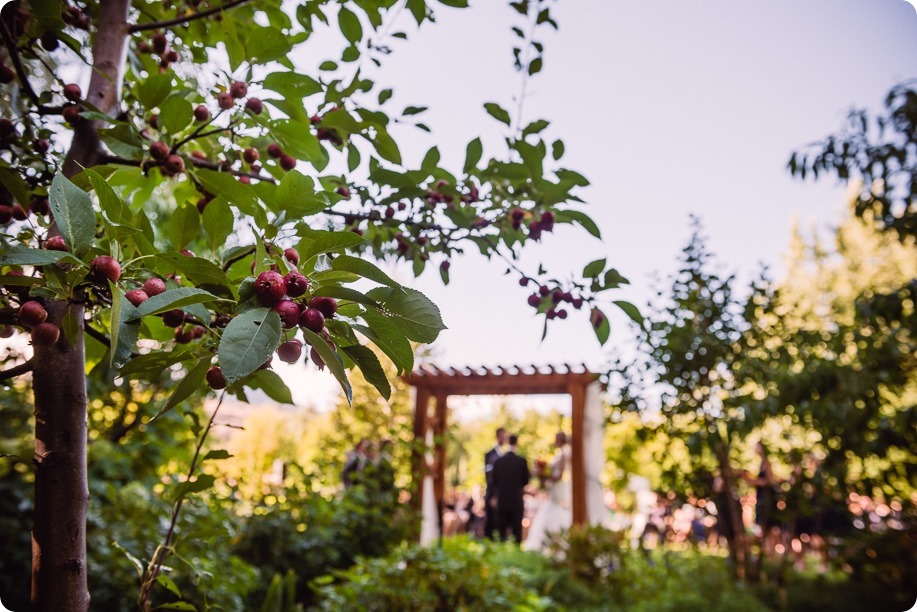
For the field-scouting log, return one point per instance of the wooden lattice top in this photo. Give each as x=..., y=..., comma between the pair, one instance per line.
x=515, y=380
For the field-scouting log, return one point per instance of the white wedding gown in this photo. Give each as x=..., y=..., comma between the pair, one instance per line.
x=555, y=512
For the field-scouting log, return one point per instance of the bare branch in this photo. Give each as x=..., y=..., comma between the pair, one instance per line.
x=17, y=370
x=168, y=23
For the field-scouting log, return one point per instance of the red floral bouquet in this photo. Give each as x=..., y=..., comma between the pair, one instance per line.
x=542, y=472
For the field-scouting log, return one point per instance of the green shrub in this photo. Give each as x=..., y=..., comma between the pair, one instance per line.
x=461, y=575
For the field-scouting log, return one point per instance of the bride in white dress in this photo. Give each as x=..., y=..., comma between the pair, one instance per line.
x=555, y=512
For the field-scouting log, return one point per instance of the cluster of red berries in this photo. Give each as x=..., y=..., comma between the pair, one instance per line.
x=13, y=211
x=159, y=45
x=545, y=223
x=324, y=133
x=556, y=298
x=287, y=162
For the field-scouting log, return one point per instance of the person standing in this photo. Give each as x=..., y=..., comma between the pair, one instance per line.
x=554, y=514
x=355, y=463
x=490, y=502
x=510, y=477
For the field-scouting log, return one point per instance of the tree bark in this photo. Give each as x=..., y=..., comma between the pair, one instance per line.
x=59, y=567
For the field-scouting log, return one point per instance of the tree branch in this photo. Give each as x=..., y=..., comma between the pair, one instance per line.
x=15, y=371
x=17, y=64
x=168, y=23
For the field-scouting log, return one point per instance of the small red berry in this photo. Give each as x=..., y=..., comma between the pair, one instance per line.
x=289, y=313
x=71, y=114
x=73, y=92
x=6, y=214
x=154, y=286
x=136, y=296
x=312, y=319
x=254, y=106
x=201, y=113
x=104, y=268
x=326, y=305
x=174, y=164
x=290, y=351
x=159, y=150
x=215, y=378
x=270, y=287
x=292, y=256
x=55, y=243
x=534, y=300
x=19, y=212
x=45, y=334
x=344, y=192
x=250, y=155
x=274, y=150
x=173, y=318
x=296, y=284
x=160, y=43
x=225, y=101
x=238, y=89
x=287, y=162
x=32, y=313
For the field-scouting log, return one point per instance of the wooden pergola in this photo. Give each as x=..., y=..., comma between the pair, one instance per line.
x=433, y=383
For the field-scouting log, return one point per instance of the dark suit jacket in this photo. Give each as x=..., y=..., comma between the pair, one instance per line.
x=489, y=458
x=510, y=475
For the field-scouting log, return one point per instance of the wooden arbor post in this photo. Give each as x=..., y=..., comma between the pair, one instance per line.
x=430, y=382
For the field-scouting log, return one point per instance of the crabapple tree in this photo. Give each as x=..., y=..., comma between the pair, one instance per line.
x=181, y=197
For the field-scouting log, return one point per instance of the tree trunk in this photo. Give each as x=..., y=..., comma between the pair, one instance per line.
x=59, y=568
x=736, y=538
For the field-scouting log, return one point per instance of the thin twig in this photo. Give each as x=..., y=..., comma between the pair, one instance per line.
x=167, y=23
x=198, y=133
x=162, y=551
x=17, y=370
x=95, y=334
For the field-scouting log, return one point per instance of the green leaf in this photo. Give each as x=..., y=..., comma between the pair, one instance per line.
x=18, y=255
x=198, y=270
x=184, y=226
x=175, y=114
x=473, y=155
x=535, y=127
x=386, y=147
x=418, y=9
x=155, y=362
x=222, y=183
x=385, y=95
x=414, y=110
x=350, y=25
x=497, y=112
x=600, y=325
x=177, y=605
x=217, y=454
x=569, y=176
x=268, y=45
x=328, y=66
x=73, y=213
x=569, y=216
x=594, y=268
x=364, y=268
x=14, y=184
x=372, y=370
x=154, y=90
x=332, y=361
x=191, y=382
x=195, y=484
x=535, y=66
x=272, y=385
x=411, y=312
x=292, y=85
x=172, y=299
x=455, y=3
x=123, y=142
x=296, y=194
x=298, y=140
x=327, y=242
x=168, y=583
x=109, y=201
x=218, y=222
x=430, y=160
x=557, y=149
x=125, y=329
x=386, y=336
x=631, y=311
x=248, y=341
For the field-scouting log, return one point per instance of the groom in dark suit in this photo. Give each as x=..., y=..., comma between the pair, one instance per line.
x=490, y=498
x=510, y=476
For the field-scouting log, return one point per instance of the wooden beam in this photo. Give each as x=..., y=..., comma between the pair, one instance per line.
x=440, y=430
x=418, y=451
x=577, y=459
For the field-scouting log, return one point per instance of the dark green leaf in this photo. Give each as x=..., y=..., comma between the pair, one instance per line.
x=473, y=153
x=154, y=89
x=248, y=341
x=196, y=484
x=581, y=218
x=350, y=25
x=184, y=226
x=292, y=84
x=332, y=361
x=372, y=370
x=218, y=222
x=594, y=268
x=73, y=213
x=387, y=337
x=172, y=299
x=497, y=112
x=327, y=242
x=272, y=385
x=414, y=110
x=411, y=312
x=198, y=270
x=175, y=114
x=364, y=268
x=631, y=311
x=125, y=329
x=18, y=255
x=191, y=382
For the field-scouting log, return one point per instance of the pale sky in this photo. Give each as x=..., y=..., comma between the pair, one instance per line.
x=669, y=108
